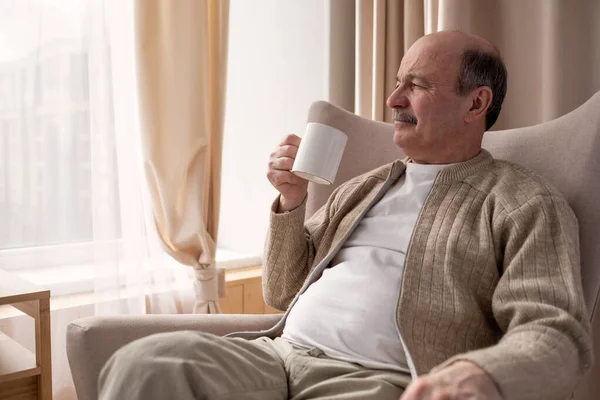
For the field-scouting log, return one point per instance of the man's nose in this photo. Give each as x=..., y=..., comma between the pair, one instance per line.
x=398, y=99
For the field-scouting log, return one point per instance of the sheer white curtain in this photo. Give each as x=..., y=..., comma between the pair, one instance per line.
x=74, y=214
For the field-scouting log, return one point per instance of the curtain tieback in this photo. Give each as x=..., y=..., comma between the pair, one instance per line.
x=209, y=284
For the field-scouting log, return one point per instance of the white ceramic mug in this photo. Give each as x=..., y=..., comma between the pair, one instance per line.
x=320, y=153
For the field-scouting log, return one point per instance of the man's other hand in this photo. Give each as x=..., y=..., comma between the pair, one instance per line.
x=458, y=381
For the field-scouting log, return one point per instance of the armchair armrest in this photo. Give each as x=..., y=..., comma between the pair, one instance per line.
x=91, y=341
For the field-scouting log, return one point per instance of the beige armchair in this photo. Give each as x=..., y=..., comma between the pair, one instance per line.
x=566, y=151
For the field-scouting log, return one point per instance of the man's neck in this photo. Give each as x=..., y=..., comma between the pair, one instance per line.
x=459, y=157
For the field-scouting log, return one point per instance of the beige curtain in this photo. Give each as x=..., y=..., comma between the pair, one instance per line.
x=182, y=54
x=551, y=49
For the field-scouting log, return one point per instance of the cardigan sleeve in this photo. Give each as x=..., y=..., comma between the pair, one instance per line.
x=539, y=306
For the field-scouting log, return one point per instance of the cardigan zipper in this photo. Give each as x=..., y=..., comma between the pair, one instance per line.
x=409, y=360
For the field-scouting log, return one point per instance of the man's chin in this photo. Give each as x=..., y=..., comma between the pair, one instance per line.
x=404, y=128
x=403, y=132
x=399, y=138
x=405, y=138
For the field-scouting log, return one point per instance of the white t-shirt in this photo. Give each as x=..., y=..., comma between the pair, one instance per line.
x=350, y=312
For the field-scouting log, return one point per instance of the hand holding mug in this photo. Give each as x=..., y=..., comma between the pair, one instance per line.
x=292, y=165
x=292, y=188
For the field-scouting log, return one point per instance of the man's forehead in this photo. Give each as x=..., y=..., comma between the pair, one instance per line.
x=413, y=68
x=424, y=63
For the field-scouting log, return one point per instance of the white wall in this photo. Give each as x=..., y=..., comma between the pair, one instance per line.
x=276, y=69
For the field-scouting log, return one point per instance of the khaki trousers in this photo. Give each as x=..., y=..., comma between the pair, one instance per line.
x=195, y=365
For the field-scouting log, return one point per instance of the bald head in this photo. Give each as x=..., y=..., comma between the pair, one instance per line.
x=458, y=41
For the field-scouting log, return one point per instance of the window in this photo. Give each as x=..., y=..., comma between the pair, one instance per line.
x=58, y=152
x=46, y=148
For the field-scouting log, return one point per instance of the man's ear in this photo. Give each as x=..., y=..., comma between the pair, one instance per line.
x=481, y=99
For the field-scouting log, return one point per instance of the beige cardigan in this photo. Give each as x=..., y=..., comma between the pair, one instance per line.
x=491, y=274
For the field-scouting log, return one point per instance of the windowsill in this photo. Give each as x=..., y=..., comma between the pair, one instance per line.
x=73, y=285
x=228, y=259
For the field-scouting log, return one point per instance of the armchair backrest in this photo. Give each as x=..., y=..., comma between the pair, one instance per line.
x=566, y=151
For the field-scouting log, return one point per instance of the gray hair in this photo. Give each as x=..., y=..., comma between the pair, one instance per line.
x=482, y=68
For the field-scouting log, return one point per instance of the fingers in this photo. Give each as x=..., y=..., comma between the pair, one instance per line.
x=419, y=389
x=284, y=151
x=282, y=158
x=282, y=163
x=279, y=178
x=291, y=139
x=287, y=151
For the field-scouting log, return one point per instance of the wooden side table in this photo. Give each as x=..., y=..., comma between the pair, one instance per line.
x=24, y=375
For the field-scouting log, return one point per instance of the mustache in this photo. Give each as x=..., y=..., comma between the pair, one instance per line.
x=403, y=117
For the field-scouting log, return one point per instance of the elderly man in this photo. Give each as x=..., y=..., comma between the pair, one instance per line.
x=449, y=275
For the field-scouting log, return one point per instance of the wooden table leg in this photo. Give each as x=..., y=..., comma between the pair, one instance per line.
x=42, y=350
